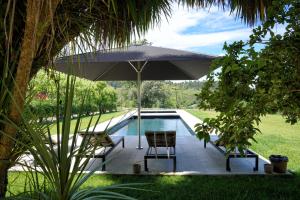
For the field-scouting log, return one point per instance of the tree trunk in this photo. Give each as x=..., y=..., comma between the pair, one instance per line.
x=39, y=16
x=19, y=91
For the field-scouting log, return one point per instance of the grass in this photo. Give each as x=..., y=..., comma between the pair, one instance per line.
x=207, y=187
x=202, y=113
x=277, y=137
x=85, y=121
x=196, y=187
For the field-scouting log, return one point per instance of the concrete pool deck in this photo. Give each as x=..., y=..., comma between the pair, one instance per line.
x=192, y=157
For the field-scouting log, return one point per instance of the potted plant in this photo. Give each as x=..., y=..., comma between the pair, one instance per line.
x=279, y=163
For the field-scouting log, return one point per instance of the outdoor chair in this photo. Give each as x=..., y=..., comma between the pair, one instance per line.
x=105, y=144
x=214, y=141
x=158, y=139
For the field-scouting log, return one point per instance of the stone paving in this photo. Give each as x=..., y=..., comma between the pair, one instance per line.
x=192, y=157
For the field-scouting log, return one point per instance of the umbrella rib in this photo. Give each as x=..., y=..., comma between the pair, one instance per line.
x=137, y=70
x=106, y=71
x=144, y=65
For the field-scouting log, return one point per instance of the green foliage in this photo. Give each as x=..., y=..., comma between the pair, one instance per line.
x=42, y=109
x=183, y=93
x=103, y=97
x=98, y=95
x=203, y=130
x=158, y=94
x=155, y=95
x=108, y=100
x=88, y=24
x=84, y=123
x=271, y=140
x=58, y=167
x=251, y=83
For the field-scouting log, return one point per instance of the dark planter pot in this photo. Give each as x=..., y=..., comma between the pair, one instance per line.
x=279, y=163
x=136, y=168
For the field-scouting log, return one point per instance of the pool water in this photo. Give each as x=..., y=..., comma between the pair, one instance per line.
x=154, y=124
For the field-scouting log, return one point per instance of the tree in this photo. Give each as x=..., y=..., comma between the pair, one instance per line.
x=42, y=95
x=253, y=82
x=183, y=94
x=107, y=100
x=34, y=31
x=155, y=95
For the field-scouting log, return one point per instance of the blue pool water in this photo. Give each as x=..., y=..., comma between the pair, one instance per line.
x=154, y=124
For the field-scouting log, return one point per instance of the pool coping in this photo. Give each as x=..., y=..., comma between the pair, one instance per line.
x=109, y=124
x=113, y=129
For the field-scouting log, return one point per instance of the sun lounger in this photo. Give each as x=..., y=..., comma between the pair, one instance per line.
x=248, y=153
x=106, y=144
x=158, y=139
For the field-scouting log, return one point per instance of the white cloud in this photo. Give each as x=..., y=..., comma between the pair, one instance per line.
x=175, y=40
x=170, y=32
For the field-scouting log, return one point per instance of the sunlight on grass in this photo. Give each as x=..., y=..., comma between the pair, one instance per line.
x=202, y=113
x=85, y=120
x=278, y=137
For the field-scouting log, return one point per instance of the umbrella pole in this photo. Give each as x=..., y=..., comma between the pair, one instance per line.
x=139, y=71
x=139, y=68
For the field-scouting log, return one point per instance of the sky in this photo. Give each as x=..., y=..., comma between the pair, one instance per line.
x=202, y=30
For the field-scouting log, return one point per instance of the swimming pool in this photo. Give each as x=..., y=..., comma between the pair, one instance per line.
x=153, y=124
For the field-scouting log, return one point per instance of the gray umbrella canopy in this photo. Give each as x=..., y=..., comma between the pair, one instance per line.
x=136, y=63
x=162, y=64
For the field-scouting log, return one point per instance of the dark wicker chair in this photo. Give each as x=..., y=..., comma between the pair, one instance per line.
x=158, y=139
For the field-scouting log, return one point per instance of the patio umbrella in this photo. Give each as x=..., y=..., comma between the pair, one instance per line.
x=138, y=62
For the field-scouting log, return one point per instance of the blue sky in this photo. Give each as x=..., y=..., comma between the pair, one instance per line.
x=202, y=30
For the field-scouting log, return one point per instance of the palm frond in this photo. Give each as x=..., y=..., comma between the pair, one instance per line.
x=249, y=11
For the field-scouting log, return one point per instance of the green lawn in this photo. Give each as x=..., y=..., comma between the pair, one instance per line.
x=277, y=137
x=207, y=187
x=85, y=121
x=195, y=187
x=202, y=114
